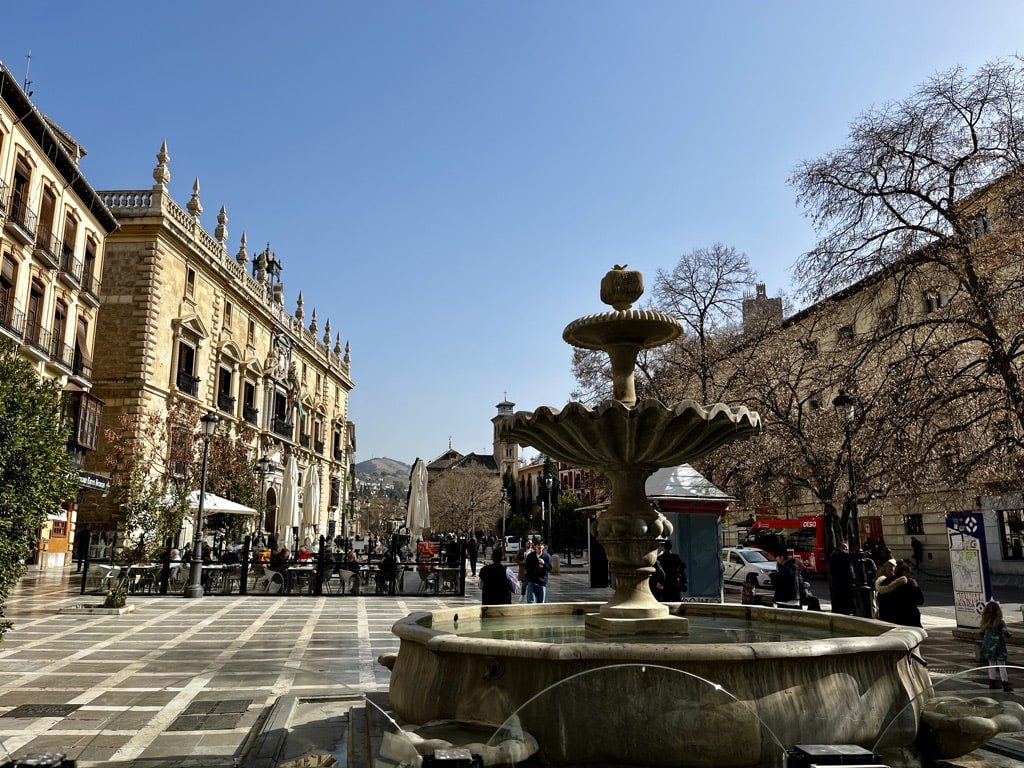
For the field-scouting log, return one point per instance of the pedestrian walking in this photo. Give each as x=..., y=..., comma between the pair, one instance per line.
x=993, y=645
x=82, y=547
x=538, y=567
x=918, y=549
x=497, y=582
x=472, y=551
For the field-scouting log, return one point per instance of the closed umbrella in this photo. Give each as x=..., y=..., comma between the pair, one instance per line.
x=290, y=498
x=418, y=512
x=311, y=502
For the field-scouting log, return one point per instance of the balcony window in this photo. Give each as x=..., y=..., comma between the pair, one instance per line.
x=187, y=381
x=225, y=401
x=85, y=412
x=81, y=364
x=249, y=411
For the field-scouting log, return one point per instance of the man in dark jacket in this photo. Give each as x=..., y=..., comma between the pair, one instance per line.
x=497, y=582
x=538, y=566
x=840, y=571
x=787, y=582
x=674, y=570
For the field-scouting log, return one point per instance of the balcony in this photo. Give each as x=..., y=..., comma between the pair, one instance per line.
x=339, y=455
x=71, y=268
x=304, y=441
x=47, y=246
x=91, y=289
x=12, y=320
x=62, y=354
x=22, y=218
x=4, y=189
x=250, y=414
x=38, y=337
x=81, y=366
x=225, y=403
x=188, y=383
x=283, y=428
x=318, y=446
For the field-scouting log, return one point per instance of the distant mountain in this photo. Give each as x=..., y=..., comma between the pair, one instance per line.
x=386, y=467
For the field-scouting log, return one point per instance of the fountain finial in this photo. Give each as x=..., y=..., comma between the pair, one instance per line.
x=620, y=287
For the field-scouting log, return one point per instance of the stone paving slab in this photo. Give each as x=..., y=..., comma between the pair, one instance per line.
x=137, y=682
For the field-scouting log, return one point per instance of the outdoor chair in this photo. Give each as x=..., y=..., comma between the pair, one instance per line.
x=270, y=583
x=352, y=582
x=177, y=578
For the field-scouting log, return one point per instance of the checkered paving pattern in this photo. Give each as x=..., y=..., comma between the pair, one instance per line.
x=182, y=682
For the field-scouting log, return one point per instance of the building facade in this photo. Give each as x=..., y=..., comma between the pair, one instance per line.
x=190, y=322
x=53, y=229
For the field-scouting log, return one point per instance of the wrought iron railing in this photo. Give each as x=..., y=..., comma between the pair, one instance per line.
x=225, y=402
x=21, y=215
x=283, y=428
x=47, y=245
x=188, y=383
x=250, y=414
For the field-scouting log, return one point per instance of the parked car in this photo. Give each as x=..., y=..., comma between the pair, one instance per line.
x=737, y=562
x=511, y=544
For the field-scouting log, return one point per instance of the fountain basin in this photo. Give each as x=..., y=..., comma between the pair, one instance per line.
x=664, y=701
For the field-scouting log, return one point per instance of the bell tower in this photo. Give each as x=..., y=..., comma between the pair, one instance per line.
x=506, y=455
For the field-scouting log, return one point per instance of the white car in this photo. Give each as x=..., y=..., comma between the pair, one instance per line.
x=511, y=544
x=737, y=562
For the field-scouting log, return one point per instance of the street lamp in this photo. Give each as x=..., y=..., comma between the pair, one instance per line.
x=263, y=468
x=195, y=586
x=504, y=501
x=846, y=410
x=547, y=534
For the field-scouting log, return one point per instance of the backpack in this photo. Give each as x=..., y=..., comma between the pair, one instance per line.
x=532, y=566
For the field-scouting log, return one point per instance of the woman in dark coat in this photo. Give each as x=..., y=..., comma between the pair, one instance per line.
x=903, y=599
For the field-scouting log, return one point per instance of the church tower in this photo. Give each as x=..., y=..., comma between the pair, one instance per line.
x=505, y=454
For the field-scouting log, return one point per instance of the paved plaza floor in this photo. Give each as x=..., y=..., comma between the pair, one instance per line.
x=182, y=682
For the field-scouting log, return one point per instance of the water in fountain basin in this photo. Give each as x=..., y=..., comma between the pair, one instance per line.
x=557, y=629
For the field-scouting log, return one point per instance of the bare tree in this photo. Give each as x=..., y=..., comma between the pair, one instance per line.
x=462, y=498
x=705, y=292
x=930, y=189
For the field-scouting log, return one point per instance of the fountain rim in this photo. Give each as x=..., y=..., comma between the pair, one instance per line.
x=873, y=635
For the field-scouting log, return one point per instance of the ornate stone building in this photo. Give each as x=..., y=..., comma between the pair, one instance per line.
x=53, y=227
x=185, y=320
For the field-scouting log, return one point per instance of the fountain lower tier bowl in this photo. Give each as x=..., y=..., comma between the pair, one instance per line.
x=745, y=685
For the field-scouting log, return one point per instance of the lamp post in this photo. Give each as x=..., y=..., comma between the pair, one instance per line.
x=846, y=410
x=195, y=586
x=547, y=534
x=504, y=501
x=263, y=468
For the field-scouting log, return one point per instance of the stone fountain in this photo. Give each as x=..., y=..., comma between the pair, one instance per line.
x=587, y=692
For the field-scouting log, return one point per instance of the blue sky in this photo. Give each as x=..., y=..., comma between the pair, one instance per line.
x=448, y=181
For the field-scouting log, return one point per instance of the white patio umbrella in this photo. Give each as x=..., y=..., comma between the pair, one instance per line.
x=417, y=515
x=311, y=502
x=289, y=510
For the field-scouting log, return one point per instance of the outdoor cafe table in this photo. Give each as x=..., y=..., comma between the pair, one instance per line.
x=299, y=579
x=142, y=576
x=215, y=577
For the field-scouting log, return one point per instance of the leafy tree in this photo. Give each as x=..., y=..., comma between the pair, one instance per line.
x=156, y=462
x=36, y=472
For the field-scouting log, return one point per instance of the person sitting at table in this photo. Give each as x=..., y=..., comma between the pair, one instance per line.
x=207, y=553
x=230, y=557
x=280, y=559
x=305, y=553
x=351, y=561
x=174, y=556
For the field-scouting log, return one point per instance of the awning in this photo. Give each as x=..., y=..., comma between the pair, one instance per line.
x=61, y=515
